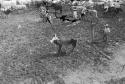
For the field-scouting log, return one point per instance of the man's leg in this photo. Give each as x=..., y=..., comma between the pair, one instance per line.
x=75, y=14
x=48, y=20
x=59, y=49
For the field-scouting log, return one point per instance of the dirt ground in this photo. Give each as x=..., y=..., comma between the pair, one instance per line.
x=26, y=58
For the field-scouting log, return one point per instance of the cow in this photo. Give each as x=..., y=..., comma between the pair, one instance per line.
x=113, y=11
x=61, y=42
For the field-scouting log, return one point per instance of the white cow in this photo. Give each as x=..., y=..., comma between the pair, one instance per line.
x=111, y=3
x=86, y=6
x=23, y=2
x=56, y=1
x=20, y=7
x=91, y=2
x=7, y=4
x=5, y=9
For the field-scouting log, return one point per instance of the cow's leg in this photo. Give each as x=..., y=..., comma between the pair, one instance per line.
x=75, y=14
x=59, y=49
x=49, y=20
x=73, y=43
x=55, y=13
x=73, y=47
x=61, y=11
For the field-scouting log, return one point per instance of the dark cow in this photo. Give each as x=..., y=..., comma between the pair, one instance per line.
x=7, y=12
x=38, y=4
x=113, y=11
x=56, y=7
x=65, y=18
x=60, y=43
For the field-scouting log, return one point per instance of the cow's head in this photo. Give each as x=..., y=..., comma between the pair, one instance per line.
x=54, y=38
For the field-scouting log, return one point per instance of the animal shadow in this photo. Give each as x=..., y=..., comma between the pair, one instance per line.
x=53, y=55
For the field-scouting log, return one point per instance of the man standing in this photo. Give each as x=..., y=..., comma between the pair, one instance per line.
x=45, y=15
x=75, y=13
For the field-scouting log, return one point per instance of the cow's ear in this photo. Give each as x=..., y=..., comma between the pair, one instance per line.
x=55, y=35
x=51, y=41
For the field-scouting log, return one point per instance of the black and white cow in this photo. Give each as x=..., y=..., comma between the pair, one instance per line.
x=61, y=42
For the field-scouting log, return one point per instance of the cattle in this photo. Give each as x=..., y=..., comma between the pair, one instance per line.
x=49, y=5
x=61, y=42
x=16, y=7
x=40, y=3
x=84, y=7
x=113, y=11
x=5, y=4
x=56, y=7
x=5, y=12
x=63, y=18
x=6, y=7
x=24, y=2
x=56, y=1
x=109, y=9
x=20, y=7
x=85, y=10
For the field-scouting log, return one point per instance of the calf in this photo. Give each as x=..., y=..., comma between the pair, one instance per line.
x=61, y=42
x=64, y=18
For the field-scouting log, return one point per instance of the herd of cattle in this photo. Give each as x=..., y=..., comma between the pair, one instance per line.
x=79, y=9
x=84, y=6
